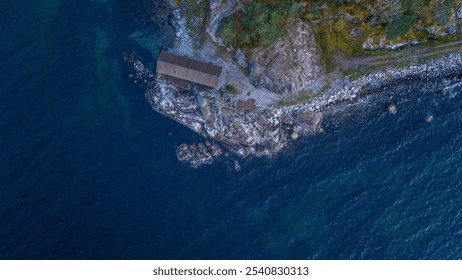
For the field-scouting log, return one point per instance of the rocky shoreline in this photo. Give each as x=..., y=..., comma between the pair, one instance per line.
x=247, y=124
x=447, y=67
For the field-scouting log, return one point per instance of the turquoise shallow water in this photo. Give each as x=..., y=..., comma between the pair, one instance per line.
x=88, y=169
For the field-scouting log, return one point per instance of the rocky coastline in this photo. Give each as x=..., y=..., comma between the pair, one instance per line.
x=252, y=122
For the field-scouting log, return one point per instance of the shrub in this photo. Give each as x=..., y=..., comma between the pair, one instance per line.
x=227, y=29
x=315, y=10
x=401, y=25
x=260, y=23
x=231, y=89
x=247, y=38
x=270, y=34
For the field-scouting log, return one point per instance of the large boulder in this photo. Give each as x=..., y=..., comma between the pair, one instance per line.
x=459, y=12
x=290, y=65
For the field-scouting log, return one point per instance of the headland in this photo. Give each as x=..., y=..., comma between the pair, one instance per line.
x=284, y=63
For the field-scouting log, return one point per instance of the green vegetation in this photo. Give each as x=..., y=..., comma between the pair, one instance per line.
x=302, y=97
x=401, y=25
x=334, y=40
x=259, y=24
x=231, y=89
x=342, y=27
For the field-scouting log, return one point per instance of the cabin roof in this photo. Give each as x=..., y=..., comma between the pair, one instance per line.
x=188, y=69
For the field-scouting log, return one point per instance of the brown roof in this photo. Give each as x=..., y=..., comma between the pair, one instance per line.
x=188, y=69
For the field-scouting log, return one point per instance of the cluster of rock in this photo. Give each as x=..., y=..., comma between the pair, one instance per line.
x=198, y=154
x=140, y=74
x=372, y=45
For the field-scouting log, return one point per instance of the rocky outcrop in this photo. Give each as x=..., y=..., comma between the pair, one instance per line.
x=140, y=74
x=310, y=121
x=371, y=45
x=459, y=12
x=240, y=125
x=288, y=66
x=198, y=154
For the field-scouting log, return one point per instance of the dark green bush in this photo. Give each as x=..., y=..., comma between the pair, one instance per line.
x=315, y=10
x=227, y=29
x=261, y=23
x=401, y=24
x=231, y=89
x=411, y=5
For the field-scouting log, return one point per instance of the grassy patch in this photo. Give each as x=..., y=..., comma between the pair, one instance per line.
x=303, y=97
x=281, y=103
x=343, y=26
x=231, y=89
x=227, y=28
x=333, y=38
x=352, y=73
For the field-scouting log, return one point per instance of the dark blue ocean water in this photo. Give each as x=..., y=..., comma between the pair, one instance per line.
x=88, y=169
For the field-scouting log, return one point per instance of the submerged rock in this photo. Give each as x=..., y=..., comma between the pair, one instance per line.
x=184, y=152
x=294, y=135
x=237, y=166
x=391, y=108
x=214, y=149
x=140, y=73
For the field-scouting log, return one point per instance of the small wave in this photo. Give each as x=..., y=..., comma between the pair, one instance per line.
x=453, y=90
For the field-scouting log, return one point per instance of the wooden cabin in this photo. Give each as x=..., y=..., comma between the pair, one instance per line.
x=184, y=68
